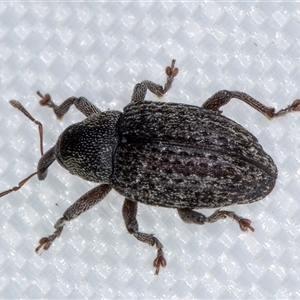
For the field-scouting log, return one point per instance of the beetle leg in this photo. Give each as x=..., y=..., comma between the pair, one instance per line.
x=140, y=89
x=85, y=202
x=190, y=216
x=81, y=103
x=129, y=212
x=223, y=97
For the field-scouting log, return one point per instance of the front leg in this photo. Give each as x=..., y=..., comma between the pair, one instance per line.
x=129, y=212
x=223, y=97
x=84, y=203
x=140, y=89
x=81, y=103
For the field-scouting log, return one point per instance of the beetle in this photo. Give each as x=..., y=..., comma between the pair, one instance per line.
x=165, y=154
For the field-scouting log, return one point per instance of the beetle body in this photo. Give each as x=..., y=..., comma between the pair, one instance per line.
x=170, y=155
x=182, y=156
x=165, y=154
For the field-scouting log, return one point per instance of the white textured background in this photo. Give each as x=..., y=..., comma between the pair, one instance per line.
x=100, y=51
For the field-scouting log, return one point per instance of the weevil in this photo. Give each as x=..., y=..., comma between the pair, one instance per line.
x=165, y=154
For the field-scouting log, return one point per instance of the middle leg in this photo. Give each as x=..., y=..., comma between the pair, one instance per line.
x=140, y=89
x=129, y=211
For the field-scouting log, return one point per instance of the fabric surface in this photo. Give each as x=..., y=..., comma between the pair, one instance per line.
x=100, y=51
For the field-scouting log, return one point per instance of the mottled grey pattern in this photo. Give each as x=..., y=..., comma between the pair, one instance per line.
x=182, y=156
x=87, y=148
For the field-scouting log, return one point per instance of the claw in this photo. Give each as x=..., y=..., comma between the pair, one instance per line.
x=45, y=100
x=159, y=261
x=45, y=243
x=296, y=105
x=245, y=225
x=171, y=71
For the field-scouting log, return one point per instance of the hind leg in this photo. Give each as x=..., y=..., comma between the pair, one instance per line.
x=191, y=216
